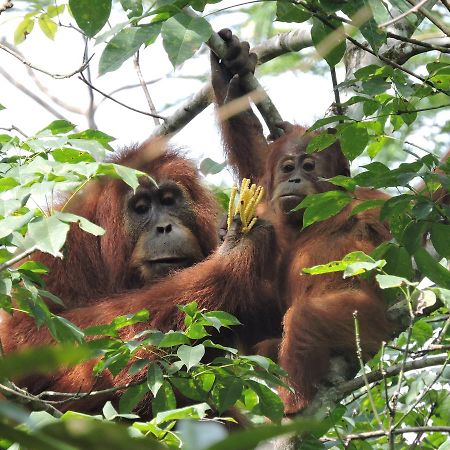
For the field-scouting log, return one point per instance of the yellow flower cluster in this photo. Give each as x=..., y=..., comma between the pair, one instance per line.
x=250, y=197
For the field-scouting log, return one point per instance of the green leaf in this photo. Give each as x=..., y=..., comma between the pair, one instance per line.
x=270, y=403
x=8, y=183
x=59, y=126
x=84, y=224
x=390, y=281
x=331, y=47
x=130, y=399
x=367, y=204
x=53, y=11
x=339, y=266
x=23, y=30
x=164, y=400
x=183, y=35
x=155, y=377
x=133, y=8
x=440, y=237
x=432, y=269
x=125, y=44
x=210, y=167
x=375, y=36
x=322, y=206
x=190, y=356
x=346, y=182
x=48, y=27
x=90, y=16
x=173, y=338
x=42, y=360
x=1, y=107
x=413, y=236
x=194, y=412
x=223, y=318
x=47, y=234
x=290, y=12
x=227, y=392
x=320, y=142
x=353, y=139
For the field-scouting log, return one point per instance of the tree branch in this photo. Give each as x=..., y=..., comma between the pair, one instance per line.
x=53, y=75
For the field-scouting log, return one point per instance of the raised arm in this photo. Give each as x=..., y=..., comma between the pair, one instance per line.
x=244, y=141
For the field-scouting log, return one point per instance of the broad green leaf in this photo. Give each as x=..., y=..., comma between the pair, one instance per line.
x=320, y=142
x=353, y=139
x=326, y=121
x=23, y=30
x=339, y=266
x=130, y=399
x=226, y=393
x=322, y=206
x=194, y=388
x=182, y=36
x=90, y=16
x=94, y=135
x=194, y=412
x=133, y=8
x=224, y=319
x=390, y=281
x=164, y=400
x=210, y=167
x=48, y=27
x=58, y=127
x=330, y=46
x=1, y=107
x=290, y=12
x=346, y=182
x=13, y=223
x=155, y=377
x=173, y=338
x=270, y=403
x=53, y=11
x=125, y=44
x=375, y=36
x=109, y=412
x=84, y=224
x=432, y=269
x=190, y=356
x=413, y=236
x=367, y=204
x=8, y=183
x=42, y=360
x=47, y=234
x=440, y=237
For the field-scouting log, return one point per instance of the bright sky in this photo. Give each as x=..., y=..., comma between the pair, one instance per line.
x=298, y=96
x=301, y=97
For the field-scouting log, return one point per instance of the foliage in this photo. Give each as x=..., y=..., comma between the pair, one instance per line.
x=407, y=402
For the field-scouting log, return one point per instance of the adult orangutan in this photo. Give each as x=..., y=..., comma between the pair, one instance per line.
x=318, y=322
x=149, y=233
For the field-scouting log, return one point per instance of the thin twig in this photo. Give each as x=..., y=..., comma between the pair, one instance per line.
x=91, y=108
x=337, y=97
x=57, y=76
x=29, y=398
x=17, y=258
x=145, y=113
x=145, y=89
x=436, y=21
x=413, y=41
x=31, y=94
x=14, y=128
x=361, y=364
x=414, y=9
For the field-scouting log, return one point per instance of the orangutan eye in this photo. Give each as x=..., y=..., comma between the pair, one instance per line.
x=141, y=205
x=288, y=166
x=309, y=165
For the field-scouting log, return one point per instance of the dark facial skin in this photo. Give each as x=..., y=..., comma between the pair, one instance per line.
x=298, y=174
x=163, y=225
